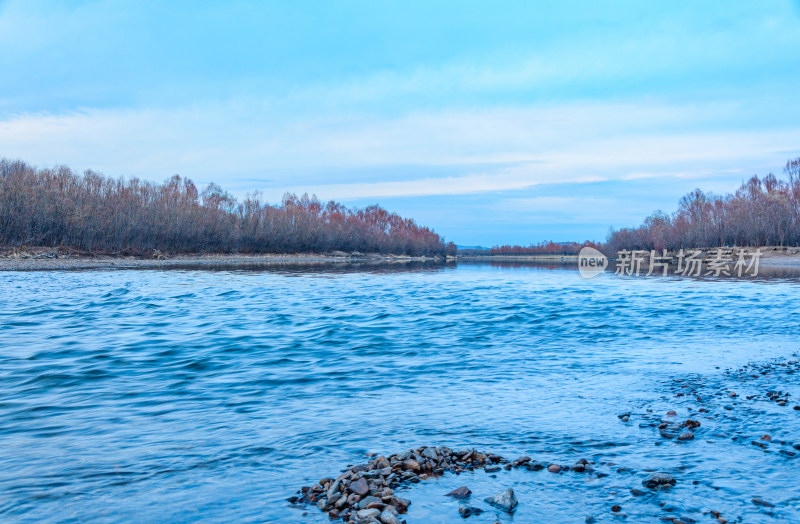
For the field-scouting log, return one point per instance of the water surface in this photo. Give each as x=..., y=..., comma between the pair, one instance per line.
x=180, y=395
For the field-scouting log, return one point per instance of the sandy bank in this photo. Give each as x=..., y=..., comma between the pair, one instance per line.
x=49, y=261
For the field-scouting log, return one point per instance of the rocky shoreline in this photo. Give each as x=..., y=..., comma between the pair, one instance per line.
x=366, y=493
x=370, y=493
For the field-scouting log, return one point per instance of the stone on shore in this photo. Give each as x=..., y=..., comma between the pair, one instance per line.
x=367, y=513
x=360, y=487
x=387, y=517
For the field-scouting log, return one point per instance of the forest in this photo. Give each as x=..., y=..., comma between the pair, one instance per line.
x=99, y=214
x=544, y=248
x=761, y=212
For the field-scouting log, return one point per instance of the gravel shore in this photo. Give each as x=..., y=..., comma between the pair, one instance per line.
x=50, y=261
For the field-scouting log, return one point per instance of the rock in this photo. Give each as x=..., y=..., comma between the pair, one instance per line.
x=671, y=413
x=468, y=511
x=658, y=480
x=686, y=435
x=590, y=520
x=411, y=464
x=460, y=493
x=505, y=501
x=553, y=468
x=400, y=503
x=492, y=469
x=335, y=487
x=536, y=466
x=430, y=453
x=382, y=462
x=366, y=501
x=387, y=517
x=616, y=508
x=637, y=492
x=766, y=437
x=360, y=487
x=761, y=502
x=367, y=513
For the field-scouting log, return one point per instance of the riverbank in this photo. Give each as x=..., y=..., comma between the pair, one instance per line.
x=40, y=259
x=32, y=259
x=771, y=256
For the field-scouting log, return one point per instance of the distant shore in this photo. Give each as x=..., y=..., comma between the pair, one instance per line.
x=55, y=261
x=772, y=256
x=44, y=259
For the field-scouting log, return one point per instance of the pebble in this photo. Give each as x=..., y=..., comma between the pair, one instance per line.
x=360, y=487
x=554, y=468
x=368, y=500
x=761, y=502
x=387, y=517
x=367, y=513
x=686, y=435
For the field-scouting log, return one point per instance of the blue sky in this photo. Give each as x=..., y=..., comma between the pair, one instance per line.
x=492, y=122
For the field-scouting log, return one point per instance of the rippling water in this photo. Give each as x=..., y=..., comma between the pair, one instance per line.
x=193, y=394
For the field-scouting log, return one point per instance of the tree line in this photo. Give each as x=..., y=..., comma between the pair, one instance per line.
x=60, y=208
x=544, y=248
x=761, y=212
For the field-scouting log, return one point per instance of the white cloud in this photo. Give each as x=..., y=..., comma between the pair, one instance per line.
x=477, y=151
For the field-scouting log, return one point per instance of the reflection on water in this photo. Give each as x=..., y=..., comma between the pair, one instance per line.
x=196, y=394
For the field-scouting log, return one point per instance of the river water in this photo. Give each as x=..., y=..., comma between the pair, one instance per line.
x=182, y=395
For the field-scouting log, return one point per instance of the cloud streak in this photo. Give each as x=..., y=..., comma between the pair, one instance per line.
x=477, y=151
